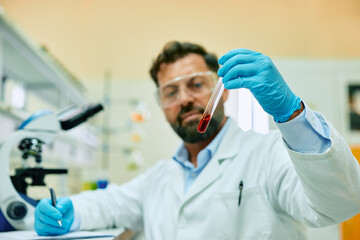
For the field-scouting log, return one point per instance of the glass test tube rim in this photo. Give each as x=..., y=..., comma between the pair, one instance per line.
x=211, y=106
x=214, y=99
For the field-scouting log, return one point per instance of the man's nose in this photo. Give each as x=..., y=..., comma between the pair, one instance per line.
x=185, y=97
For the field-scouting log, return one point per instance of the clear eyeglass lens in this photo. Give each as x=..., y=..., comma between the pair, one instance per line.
x=197, y=84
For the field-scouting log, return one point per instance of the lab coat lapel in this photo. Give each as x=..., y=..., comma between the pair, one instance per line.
x=177, y=179
x=227, y=150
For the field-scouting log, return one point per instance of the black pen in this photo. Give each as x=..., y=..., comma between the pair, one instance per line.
x=53, y=200
x=241, y=185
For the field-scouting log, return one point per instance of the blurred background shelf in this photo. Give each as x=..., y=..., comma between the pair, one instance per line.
x=35, y=68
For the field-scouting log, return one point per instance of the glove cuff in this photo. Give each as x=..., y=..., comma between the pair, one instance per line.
x=295, y=106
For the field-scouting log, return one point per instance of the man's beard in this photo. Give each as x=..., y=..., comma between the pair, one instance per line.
x=189, y=132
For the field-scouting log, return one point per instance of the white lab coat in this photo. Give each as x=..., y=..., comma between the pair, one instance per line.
x=282, y=190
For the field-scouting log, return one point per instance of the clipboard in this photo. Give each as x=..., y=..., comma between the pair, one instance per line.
x=32, y=235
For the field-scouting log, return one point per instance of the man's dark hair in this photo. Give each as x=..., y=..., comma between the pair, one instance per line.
x=175, y=50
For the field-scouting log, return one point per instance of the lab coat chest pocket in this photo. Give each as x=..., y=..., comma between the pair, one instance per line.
x=245, y=222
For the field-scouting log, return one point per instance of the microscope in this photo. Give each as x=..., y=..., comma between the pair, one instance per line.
x=16, y=208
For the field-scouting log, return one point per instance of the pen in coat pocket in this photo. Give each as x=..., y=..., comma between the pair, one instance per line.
x=241, y=185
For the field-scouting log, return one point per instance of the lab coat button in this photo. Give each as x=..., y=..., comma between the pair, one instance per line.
x=181, y=224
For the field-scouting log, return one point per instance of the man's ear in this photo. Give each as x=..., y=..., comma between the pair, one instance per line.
x=225, y=95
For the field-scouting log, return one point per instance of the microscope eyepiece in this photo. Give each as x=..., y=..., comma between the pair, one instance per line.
x=81, y=116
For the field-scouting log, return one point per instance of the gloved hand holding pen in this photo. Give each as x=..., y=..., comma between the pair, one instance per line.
x=47, y=216
x=243, y=68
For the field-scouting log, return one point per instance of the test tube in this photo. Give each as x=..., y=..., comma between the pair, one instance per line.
x=211, y=106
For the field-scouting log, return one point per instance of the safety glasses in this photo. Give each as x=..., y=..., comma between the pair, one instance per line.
x=195, y=84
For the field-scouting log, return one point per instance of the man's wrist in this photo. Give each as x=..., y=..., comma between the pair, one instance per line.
x=297, y=112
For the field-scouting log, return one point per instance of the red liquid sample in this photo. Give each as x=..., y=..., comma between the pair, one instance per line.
x=204, y=122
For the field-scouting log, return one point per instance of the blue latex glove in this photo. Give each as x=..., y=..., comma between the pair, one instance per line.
x=243, y=68
x=47, y=216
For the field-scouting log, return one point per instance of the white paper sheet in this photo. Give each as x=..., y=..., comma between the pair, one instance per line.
x=31, y=235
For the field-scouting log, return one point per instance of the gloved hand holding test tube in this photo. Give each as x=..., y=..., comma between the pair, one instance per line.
x=211, y=106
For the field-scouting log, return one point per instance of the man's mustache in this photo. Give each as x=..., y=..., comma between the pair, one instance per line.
x=186, y=109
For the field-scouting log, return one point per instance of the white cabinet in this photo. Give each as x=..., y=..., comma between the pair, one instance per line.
x=47, y=84
x=30, y=65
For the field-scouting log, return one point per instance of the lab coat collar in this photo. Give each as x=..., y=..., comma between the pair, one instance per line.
x=227, y=148
x=181, y=155
x=226, y=151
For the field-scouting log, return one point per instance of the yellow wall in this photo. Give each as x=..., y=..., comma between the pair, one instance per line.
x=90, y=36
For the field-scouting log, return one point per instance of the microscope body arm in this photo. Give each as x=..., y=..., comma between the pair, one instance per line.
x=18, y=212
